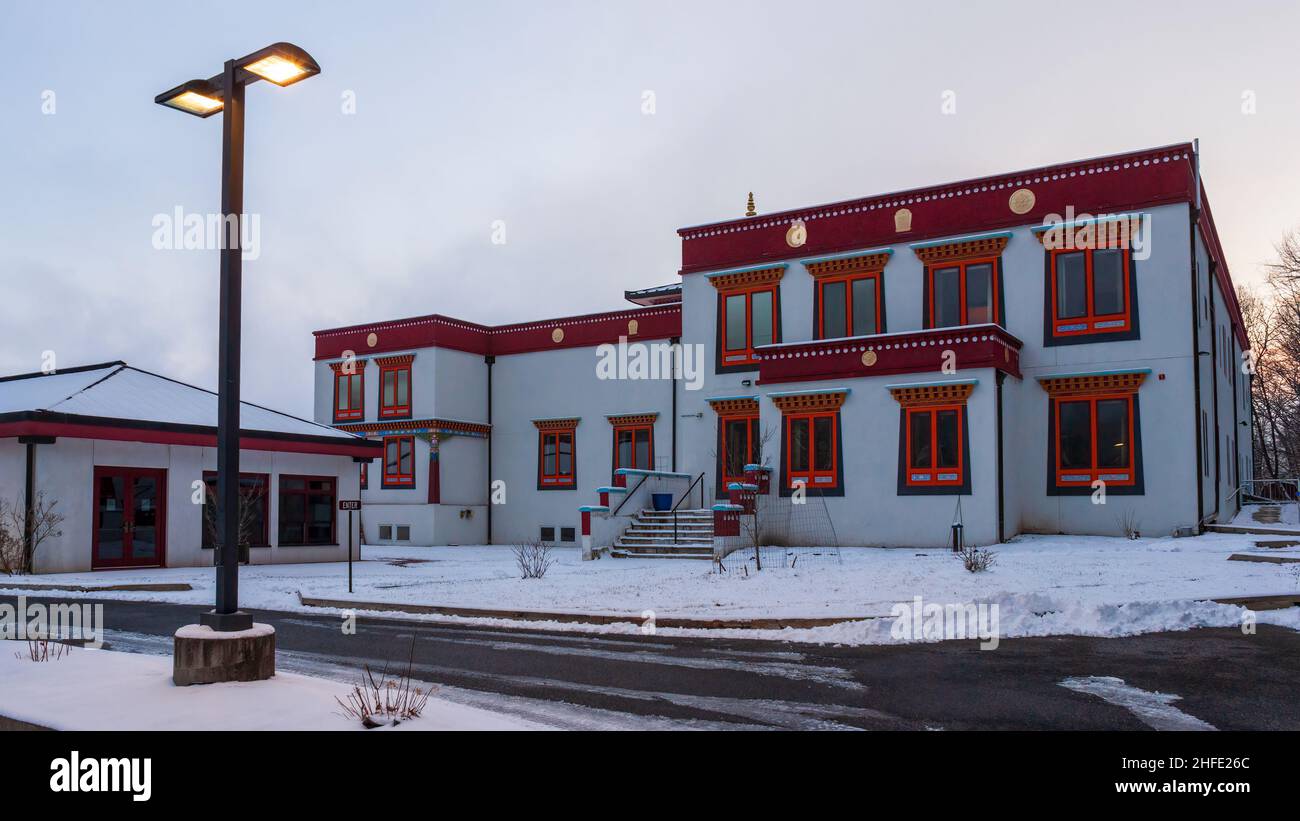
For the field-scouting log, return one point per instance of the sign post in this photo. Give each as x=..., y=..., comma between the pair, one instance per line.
x=349, y=505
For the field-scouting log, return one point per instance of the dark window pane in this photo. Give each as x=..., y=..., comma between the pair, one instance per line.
x=834, y=317
x=823, y=443
x=391, y=460
x=864, y=307
x=548, y=456
x=342, y=386
x=566, y=454
x=799, y=444
x=390, y=378
x=979, y=294
x=1112, y=433
x=949, y=435
x=920, y=438
x=761, y=308
x=1071, y=286
x=1108, y=281
x=408, y=457
x=755, y=457
x=643, y=449
x=403, y=388
x=737, y=445
x=292, y=484
x=625, y=449
x=947, y=297
x=735, y=323
x=1076, y=435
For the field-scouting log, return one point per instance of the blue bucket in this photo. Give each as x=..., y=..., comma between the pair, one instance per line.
x=662, y=501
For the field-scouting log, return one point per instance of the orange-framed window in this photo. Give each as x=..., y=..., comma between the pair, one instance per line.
x=1094, y=440
x=748, y=321
x=395, y=390
x=349, y=394
x=1090, y=291
x=739, y=437
x=848, y=305
x=556, y=459
x=963, y=293
x=811, y=450
x=934, y=450
x=399, y=461
x=634, y=447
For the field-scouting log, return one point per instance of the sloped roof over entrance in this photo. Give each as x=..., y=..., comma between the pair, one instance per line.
x=116, y=401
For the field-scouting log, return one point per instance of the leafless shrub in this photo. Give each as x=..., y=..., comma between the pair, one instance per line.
x=385, y=701
x=1128, y=524
x=17, y=550
x=533, y=559
x=249, y=497
x=977, y=559
x=44, y=650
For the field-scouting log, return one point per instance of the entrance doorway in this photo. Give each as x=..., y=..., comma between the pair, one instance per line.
x=130, y=517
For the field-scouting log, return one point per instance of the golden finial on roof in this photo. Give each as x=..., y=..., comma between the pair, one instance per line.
x=749, y=207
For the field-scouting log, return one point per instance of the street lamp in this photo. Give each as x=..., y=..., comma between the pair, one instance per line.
x=282, y=64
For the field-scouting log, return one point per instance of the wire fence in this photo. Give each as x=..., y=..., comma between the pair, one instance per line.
x=780, y=533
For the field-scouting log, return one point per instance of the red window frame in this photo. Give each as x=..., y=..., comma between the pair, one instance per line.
x=305, y=524
x=744, y=356
x=812, y=477
x=365, y=475
x=557, y=478
x=391, y=408
x=343, y=380
x=1091, y=320
x=399, y=478
x=633, y=429
x=848, y=281
x=750, y=421
x=961, y=265
x=933, y=472
x=1084, y=477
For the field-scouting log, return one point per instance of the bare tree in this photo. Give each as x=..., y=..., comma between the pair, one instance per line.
x=249, y=498
x=753, y=527
x=21, y=537
x=1273, y=327
x=533, y=559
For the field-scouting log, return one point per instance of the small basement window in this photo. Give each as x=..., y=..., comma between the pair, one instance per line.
x=403, y=533
x=568, y=534
x=547, y=534
x=385, y=533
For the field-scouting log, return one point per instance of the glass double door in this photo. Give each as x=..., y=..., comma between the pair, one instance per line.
x=130, y=517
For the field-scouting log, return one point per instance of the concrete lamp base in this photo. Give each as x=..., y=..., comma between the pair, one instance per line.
x=204, y=656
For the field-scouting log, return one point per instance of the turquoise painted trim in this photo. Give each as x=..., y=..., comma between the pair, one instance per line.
x=1039, y=229
x=758, y=467
x=729, y=398
x=936, y=384
x=594, y=509
x=1120, y=372
x=611, y=490
x=726, y=507
x=851, y=255
x=845, y=391
x=741, y=486
x=631, y=413
x=746, y=269
x=576, y=419
x=934, y=243
x=661, y=474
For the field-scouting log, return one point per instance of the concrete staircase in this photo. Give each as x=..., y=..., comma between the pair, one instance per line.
x=650, y=536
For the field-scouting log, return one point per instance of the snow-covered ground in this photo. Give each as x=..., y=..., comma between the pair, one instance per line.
x=1043, y=585
x=103, y=690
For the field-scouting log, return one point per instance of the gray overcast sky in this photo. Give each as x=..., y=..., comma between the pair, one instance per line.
x=531, y=113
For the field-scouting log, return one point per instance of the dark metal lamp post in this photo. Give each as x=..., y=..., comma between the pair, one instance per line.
x=282, y=64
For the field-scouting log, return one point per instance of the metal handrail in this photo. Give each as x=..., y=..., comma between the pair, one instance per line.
x=628, y=495
x=698, y=480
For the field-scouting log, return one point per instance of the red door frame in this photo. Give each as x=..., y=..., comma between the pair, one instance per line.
x=128, y=504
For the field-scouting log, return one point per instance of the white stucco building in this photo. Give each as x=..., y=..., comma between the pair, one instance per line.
x=1031, y=343
x=125, y=455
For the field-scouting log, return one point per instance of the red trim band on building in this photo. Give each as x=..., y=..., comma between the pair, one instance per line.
x=587, y=330
x=975, y=346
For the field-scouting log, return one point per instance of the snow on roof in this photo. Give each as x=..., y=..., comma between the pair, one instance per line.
x=115, y=390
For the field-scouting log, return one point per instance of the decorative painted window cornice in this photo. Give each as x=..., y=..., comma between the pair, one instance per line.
x=747, y=277
x=735, y=406
x=431, y=426
x=1087, y=384
x=557, y=424
x=959, y=248
x=844, y=264
x=633, y=419
x=1114, y=231
x=933, y=393
x=359, y=364
x=392, y=361
x=808, y=401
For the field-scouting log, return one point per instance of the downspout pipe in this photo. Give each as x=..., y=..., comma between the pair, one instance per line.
x=677, y=360
x=29, y=494
x=1001, y=489
x=490, y=360
x=1196, y=372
